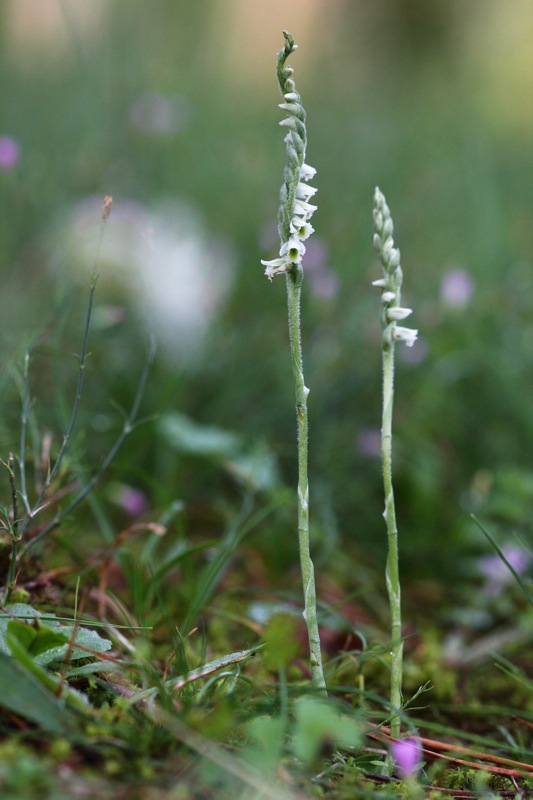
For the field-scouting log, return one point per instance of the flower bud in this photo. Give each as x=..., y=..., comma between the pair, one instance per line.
x=388, y=227
x=378, y=220
x=290, y=122
x=394, y=260
x=291, y=108
x=396, y=313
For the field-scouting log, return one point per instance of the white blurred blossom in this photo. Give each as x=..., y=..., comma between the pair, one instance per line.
x=176, y=276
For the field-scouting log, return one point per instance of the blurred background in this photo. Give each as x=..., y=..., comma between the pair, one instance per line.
x=171, y=108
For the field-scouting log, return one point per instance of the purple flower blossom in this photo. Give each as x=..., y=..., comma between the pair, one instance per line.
x=407, y=755
x=133, y=501
x=9, y=153
x=496, y=572
x=457, y=288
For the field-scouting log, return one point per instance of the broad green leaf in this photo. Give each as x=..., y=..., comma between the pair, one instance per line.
x=22, y=694
x=47, y=638
x=47, y=679
x=36, y=640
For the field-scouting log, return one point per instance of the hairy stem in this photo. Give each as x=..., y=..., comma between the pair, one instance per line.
x=392, y=568
x=294, y=280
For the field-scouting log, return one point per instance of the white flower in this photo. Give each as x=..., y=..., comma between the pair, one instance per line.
x=277, y=266
x=394, y=260
x=388, y=227
x=289, y=123
x=304, y=191
x=301, y=228
x=304, y=209
x=381, y=283
x=388, y=250
x=387, y=297
x=397, y=313
x=307, y=173
x=407, y=335
x=292, y=250
x=291, y=108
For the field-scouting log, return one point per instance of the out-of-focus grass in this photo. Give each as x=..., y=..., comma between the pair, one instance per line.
x=428, y=103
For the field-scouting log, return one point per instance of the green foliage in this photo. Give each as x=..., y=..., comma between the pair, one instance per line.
x=319, y=725
x=281, y=641
x=25, y=695
x=172, y=712
x=49, y=640
x=267, y=735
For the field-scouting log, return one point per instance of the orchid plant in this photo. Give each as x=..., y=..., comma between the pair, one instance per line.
x=294, y=227
x=392, y=312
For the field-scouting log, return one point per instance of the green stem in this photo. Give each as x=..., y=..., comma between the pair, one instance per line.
x=15, y=534
x=294, y=282
x=392, y=569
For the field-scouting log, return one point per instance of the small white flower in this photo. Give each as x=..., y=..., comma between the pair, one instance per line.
x=289, y=123
x=307, y=173
x=407, y=335
x=291, y=108
x=397, y=313
x=304, y=191
x=293, y=250
x=304, y=209
x=378, y=219
x=388, y=249
x=387, y=297
x=388, y=227
x=292, y=97
x=394, y=260
x=381, y=283
x=277, y=266
x=300, y=228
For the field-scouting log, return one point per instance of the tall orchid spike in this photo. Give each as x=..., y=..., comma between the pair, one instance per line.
x=295, y=210
x=391, y=283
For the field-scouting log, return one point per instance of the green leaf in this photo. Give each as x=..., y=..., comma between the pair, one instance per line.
x=48, y=680
x=22, y=694
x=36, y=640
x=46, y=638
x=320, y=724
x=267, y=734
